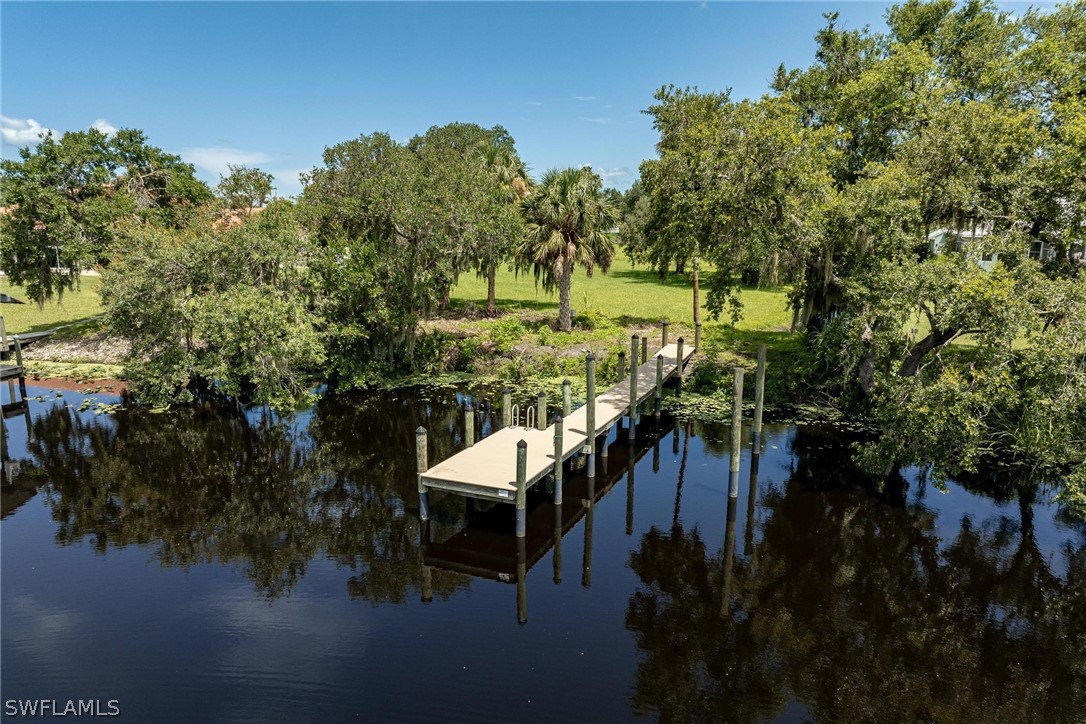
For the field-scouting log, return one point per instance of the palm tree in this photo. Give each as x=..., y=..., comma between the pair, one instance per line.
x=506, y=168
x=567, y=219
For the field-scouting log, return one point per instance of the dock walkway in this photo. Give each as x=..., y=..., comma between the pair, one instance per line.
x=488, y=469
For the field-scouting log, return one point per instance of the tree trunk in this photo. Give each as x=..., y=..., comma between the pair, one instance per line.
x=697, y=288
x=911, y=365
x=491, y=304
x=565, y=314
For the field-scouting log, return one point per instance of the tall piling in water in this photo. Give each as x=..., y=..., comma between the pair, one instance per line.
x=759, y=401
x=541, y=411
x=566, y=386
x=590, y=412
x=663, y=332
x=507, y=406
x=679, y=366
x=558, y=459
x=633, y=387
x=421, y=465
x=522, y=488
x=737, y=431
x=469, y=425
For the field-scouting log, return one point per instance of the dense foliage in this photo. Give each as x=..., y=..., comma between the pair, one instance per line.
x=960, y=118
x=63, y=198
x=393, y=225
x=210, y=309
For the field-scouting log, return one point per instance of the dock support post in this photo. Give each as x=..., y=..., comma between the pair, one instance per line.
x=22, y=372
x=663, y=336
x=590, y=403
x=522, y=488
x=697, y=335
x=659, y=385
x=507, y=406
x=633, y=388
x=679, y=366
x=644, y=349
x=566, y=387
x=759, y=401
x=622, y=365
x=469, y=425
x=541, y=411
x=420, y=460
x=558, y=459
x=737, y=430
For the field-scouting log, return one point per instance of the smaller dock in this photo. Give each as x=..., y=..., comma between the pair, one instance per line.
x=503, y=466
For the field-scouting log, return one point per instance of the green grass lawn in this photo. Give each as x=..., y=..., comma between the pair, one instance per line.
x=78, y=306
x=629, y=295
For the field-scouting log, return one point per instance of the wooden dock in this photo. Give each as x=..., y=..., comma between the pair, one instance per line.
x=504, y=465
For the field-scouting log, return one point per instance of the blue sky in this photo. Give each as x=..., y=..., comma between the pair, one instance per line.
x=272, y=84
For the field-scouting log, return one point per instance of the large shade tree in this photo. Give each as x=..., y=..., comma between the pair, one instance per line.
x=63, y=197
x=568, y=223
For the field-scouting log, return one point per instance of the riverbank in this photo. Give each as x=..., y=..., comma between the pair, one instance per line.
x=519, y=347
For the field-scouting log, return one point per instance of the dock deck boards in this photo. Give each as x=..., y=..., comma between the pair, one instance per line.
x=487, y=469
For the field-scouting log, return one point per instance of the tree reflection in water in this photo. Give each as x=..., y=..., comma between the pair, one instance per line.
x=847, y=601
x=201, y=485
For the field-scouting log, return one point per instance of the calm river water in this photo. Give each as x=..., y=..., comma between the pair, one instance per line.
x=195, y=566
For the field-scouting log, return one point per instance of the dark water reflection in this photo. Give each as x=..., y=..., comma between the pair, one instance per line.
x=201, y=565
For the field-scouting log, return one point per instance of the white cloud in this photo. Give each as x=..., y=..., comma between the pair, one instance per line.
x=532, y=103
x=104, y=126
x=584, y=99
x=20, y=132
x=610, y=173
x=595, y=119
x=217, y=159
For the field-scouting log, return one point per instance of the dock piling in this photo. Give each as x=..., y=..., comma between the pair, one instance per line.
x=644, y=349
x=663, y=335
x=659, y=385
x=737, y=430
x=541, y=411
x=558, y=459
x=759, y=401
x=566, y=388
x=621, y=374
x=679, y=366
x=522, y=488
x=633, y=387
x=507, y=407
x=469, y=425
x=590, y=404
x=420, y=460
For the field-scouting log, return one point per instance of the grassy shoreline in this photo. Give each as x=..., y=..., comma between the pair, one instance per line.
x=518, y=348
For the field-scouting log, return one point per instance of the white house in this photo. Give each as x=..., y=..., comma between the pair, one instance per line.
x=942, y=239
